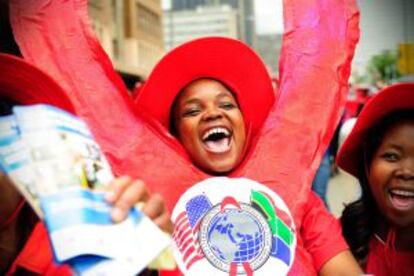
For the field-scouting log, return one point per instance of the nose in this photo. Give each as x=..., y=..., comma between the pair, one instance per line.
x=406, y=171
x=212, y=113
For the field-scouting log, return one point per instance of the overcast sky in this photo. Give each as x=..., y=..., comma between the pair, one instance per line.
x=268, y=15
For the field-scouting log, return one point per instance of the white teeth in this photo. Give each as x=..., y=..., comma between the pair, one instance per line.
x=402, y=193
x=216, y=130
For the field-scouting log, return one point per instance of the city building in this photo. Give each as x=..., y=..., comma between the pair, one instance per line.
x=131, y=33
x=178, y=5
x=245, y=14
x=268, y=46
x=184, y=25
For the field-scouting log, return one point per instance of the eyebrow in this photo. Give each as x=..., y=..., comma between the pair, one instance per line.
x=226, y=94
x=192, y=101
x=394, y=146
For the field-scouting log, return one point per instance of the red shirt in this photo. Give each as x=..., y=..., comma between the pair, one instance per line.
x=36, y=256
x=383, y=261
x=320, y=238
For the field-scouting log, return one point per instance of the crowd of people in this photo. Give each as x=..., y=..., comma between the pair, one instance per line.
x=209, y=110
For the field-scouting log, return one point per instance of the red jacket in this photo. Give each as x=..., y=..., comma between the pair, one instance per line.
x=36, y=256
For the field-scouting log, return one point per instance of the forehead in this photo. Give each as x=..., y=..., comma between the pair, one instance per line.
x=204, y=88
x=403, y=130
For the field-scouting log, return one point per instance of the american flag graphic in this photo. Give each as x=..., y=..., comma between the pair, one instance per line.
x=186, y=227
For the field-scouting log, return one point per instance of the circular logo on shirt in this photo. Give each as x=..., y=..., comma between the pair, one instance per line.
x=232, y=226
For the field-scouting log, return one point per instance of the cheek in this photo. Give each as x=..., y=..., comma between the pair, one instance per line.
x=241, y=129
x=237, y=119
x=187, y=133
x=378, y=178
x=378, y=172
x=374, y=175
x=184, y=128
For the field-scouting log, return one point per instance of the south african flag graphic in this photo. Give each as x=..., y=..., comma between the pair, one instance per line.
x=280, y=226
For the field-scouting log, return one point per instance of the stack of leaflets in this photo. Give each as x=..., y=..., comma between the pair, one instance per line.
x=53, y=160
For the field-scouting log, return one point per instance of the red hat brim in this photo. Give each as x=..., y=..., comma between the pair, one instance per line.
x=226, y=60
x=393, y=98
x=26, y=84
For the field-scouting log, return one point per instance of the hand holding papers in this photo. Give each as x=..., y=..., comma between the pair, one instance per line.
x=52, y=158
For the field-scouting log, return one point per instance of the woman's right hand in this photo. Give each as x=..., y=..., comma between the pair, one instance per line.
x=125, y=192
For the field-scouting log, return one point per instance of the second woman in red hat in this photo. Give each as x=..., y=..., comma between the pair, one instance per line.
x=379, y=226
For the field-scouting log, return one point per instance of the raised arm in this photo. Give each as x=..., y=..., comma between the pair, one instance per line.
x=318, y=45
x=56, y=36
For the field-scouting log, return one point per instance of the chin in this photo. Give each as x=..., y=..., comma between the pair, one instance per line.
x=221, y=169
x=402, y=222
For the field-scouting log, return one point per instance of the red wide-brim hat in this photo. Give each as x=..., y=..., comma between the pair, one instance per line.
x=227, y=60
x=393, y=98
x=26, y=84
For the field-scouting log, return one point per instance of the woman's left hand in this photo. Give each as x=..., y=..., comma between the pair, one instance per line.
x=124, y=193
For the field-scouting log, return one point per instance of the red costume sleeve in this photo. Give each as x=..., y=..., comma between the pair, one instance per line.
x=321, y=233
x=56, y=36
x=318, y=45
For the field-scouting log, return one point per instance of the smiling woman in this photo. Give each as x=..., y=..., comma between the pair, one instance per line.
x=210, y=125
x=391, y=172
x=379, y=151
x=213, y=96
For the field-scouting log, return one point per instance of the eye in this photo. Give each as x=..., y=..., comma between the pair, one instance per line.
x=227, y=105
x=191, y=112
x=390, y=156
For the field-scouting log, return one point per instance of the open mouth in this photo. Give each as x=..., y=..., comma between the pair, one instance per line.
x=402, y=200
x=217, y=140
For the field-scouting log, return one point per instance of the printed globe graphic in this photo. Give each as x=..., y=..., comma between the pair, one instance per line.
x=235, y=236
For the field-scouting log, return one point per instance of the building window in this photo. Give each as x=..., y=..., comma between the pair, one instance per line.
x=148, y=21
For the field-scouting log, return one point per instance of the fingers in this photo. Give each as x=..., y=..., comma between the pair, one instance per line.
x=154, y=206
x=155, y=209
x=116, y=188
x=124, y=194
x=164, y=223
